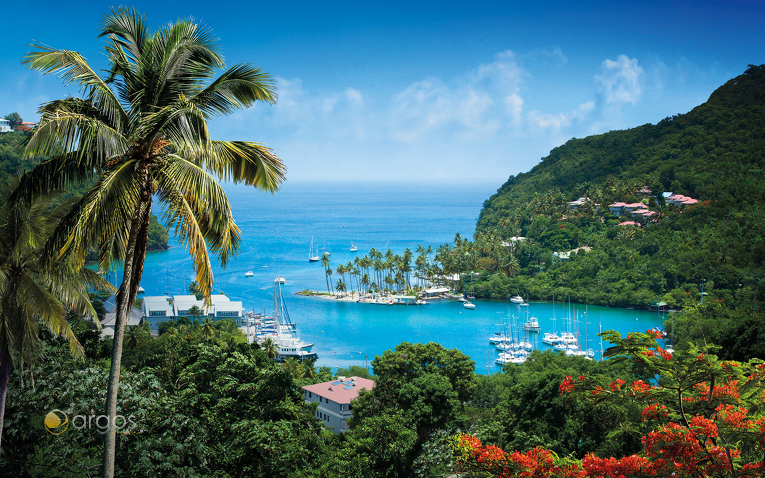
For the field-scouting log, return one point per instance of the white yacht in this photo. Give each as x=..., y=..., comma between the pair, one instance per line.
x=248, y=274
x=499, y=338
x=468, y=305
x=286, y=339
x=531, y=325
x=550, y=338
x=517, y=299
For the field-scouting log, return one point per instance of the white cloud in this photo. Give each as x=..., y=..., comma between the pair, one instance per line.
x=473, y=105
x=556, y=122
x=620, y=81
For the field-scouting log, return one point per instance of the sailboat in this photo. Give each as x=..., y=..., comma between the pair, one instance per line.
x=467, y=304
x=312, y=256
x=353, y=248
x=286, y=340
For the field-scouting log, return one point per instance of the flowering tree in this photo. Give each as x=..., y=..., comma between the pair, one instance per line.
x=701, y=417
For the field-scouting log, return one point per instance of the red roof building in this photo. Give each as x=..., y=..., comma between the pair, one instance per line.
x=334, y=399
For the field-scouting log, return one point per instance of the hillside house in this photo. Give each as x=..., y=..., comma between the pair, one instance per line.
x=334, y=399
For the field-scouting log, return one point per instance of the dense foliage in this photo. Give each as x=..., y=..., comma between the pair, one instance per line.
x=713, y=153
x=14, y=164
x=701, y=417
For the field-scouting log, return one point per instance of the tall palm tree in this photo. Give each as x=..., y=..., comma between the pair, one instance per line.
x=33, y=290
x=143, y=131
x=270, y=348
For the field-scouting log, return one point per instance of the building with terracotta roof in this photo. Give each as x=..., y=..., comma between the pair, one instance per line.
x=334, y=399
x=619, y=208
x=680, y=200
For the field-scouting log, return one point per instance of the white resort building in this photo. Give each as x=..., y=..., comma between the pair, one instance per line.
x=158, y=309
x=334, y=399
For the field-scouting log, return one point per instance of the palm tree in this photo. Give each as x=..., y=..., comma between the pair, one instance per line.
x=294, y=367
x=195, y=312
x=270, y=348
x=208, y=328
x=340, y=286
x=365, y=282
x=34, y=290
x=309, y=368
x=328, y=272
x=143, y=131
x=135, y=335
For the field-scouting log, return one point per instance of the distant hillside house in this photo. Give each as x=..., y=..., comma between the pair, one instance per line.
x=565, y=256
x=334, y=399
x=643, y=212
x=680, y=200
x=620, y=208
x=513, y=241
x=29, y=124
x=5, y=126
x=575, y=205
x=629, y=223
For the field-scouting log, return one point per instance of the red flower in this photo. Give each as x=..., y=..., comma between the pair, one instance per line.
x=567, y=385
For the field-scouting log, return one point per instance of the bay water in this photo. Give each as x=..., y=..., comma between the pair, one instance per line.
x=277, y=231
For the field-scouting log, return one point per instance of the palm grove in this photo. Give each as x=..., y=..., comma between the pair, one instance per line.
x=205, y=402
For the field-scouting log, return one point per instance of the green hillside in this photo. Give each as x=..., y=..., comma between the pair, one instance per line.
x=714, y=153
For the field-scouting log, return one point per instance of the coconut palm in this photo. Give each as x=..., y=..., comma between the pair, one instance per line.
x=340, y=286
x=270, y=348
x=143, y=131
x=135, y=335
x=208, y=328
x=34, y=291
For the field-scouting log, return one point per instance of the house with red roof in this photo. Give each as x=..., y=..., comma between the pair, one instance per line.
x=619, y=208
x=680, y=200
x=334, y=399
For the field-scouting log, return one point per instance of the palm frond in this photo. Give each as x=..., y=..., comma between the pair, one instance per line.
x=242, y=161
x=239, y=87
x=71, y=67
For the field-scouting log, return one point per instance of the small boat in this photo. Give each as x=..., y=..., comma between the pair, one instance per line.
x=462, y=299
x=531, y=325
x=550, y=338
x=469, y=305
x=312, y=257
x=141, y=290
x=517, y=299
x=499, y=338
x=354, y=248
x=248, y=274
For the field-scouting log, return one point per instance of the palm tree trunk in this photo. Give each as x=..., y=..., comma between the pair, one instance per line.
x=5, y=375
x=134, y=258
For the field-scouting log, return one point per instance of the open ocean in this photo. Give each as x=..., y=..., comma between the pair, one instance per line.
x=277, y=231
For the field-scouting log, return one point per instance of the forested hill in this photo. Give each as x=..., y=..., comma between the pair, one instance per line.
x=715, y=152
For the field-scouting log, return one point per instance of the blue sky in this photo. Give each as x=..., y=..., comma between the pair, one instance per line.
x=429, y=90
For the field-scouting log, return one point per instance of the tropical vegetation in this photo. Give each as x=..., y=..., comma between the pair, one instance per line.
x=142, y=131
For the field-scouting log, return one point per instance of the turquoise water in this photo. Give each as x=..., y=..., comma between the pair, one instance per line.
x=277, y=231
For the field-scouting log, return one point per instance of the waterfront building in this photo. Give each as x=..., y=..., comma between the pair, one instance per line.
x=334, y=399
x=159, y=308
x=435, y=292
